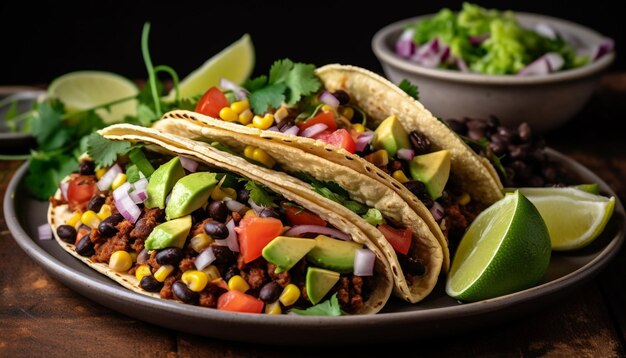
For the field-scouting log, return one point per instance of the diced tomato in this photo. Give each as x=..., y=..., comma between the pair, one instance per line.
x=327, y=118
x=400, y=239
x=237, y=301
x=212, y=102
x=255, y=233
x=80, y=190
x=299, y=216
x=339, y=138
x=323, y=135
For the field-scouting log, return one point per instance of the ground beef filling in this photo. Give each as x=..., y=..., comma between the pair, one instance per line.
x=458, y=218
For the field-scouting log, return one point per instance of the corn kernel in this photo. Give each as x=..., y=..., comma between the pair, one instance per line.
x=262, y=157
x=248, y=152
x=249, y=213
x=163, y=271
x=200, y=242
x=100, y=173
x=105, y=212
x=228, y=114
x=273, y=308
x=133, y=256
x=464, y=199
x=358, y=127
x=290, y=295
x=222, y=193
x=142, y=271
x=327, y=108
x=120, y=261
x=119, y=180
x=238, y=283
x=263, y=122
x=245, y=117
x=90, y=218
x=212, y=273
x=281, y=114
x=379, y=158
x=195, y=280
x=400, y=176
x=240, y=106
x=347, y=112
x=75, y=219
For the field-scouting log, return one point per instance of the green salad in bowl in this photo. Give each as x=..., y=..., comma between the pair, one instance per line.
x=493, y=42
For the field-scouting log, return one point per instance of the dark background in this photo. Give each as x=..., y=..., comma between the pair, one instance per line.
x=42, y=40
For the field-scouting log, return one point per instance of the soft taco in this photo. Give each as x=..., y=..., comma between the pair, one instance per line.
x=181, y=220
x=363, y=122
x=413, y=253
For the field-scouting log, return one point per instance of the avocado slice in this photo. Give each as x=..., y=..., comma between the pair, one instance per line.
x=332, y=254
x=285, y=252
x=319, y=282
x=391, y=136
x=169, y=234
x=162, y=181
x=432, y=169
x=190, y=193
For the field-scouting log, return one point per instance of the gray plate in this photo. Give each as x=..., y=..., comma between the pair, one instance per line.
x=15, y=143
x=437, y=315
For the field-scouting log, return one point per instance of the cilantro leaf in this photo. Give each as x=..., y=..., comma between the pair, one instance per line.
x=259, y=195
x=255, y=84
x=280, y=71
x=45, y=122
x=46, y=171
x=132, y=173
x=272, y=95
x=301, y=81
x=329, y=307
x=103, y=151
x=409, y=88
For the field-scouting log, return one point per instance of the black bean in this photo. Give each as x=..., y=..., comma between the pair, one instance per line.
x=67, y=233
x=198, y=215
x=493, y=123
x=95, y=204
x=419, y=190
x=497, y=148
x=107, y=229
x=223, y=255
x=183, y=293
x=518, y=152
x=243, y=195
x=270, y=292
x=85, y=247
x=522, y=171
x=218, y=211
x=419, y=142
x=285, y=124
x=169, y=256
x=150, y=284
x=87, y=167
x=412, y=265
x=525, y=133
x=342, y=96
x=269, y=213
x=230, y=272
x=550, y=173
x=216, y=230
x=536, y=181
x=457, y=126
x=143, y=257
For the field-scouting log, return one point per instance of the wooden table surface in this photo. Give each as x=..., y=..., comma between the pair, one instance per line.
x=41, y=317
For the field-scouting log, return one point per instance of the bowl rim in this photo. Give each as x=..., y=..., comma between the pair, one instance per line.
x=386, y=55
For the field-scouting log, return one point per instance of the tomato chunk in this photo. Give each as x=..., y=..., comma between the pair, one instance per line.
x=236, y=301
x=80, y=190
x=400, y=239
x=340, y=138
x=212, y=102
x=327, y=118
x=300, y=216
x=255, y=233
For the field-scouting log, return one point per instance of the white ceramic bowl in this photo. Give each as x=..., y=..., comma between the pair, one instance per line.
x=545, y=101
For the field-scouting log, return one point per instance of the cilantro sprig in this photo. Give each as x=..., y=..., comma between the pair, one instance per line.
x=409, y=88
x=329, y=307
x=287, y=82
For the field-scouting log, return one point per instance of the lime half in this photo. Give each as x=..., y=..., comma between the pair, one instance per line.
x=574, y=217
x=505, y=250
x=83, y=90
x=234, y=63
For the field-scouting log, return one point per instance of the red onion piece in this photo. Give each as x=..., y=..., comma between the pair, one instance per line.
x=138, y=196
x=406, y=154
x=188, y=163
x=364, y=260
x=314, y=130
x=239, y=92
x=63, y=187
x=546, y=30
x=140, y=184
x=479, y=39
x=293, y=130
x=231, y=240
x=234, y=205
x=539, y=67
x=328, y=98
x=437, y=210
x=363, y=140
x=205, y=258
x=431, y=54
x=107, y=179
x=298, y=230
x=405, y=47
x=257, y=208
x=462, y=65
x=122, y=191
x=273, y=129
x=45, y=231
x=129, y=210
x=555, y=61
x=607, y=45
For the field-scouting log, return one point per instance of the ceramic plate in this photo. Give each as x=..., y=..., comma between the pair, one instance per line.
x=437, y=315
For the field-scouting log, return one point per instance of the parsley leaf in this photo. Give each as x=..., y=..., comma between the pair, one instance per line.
x=409, y=88
x=103, y=151
x=329, y=307
x=259, y=195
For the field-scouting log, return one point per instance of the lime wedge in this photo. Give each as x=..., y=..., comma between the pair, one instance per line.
x=574, y=217
x=234, y=63
x=83, y=90
x=505, y=250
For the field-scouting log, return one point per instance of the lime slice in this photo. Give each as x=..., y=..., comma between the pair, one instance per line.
x=505, y=250
x=574, y=217
x=234, y=63
x=83, y=90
